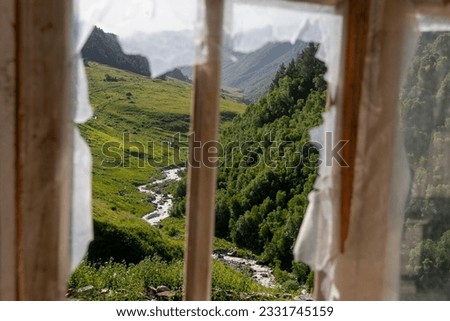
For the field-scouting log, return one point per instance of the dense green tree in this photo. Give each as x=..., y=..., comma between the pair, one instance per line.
x=429, y=262
x=425, y=112
x=268, y=167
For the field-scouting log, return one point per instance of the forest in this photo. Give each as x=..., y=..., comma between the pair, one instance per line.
x=267, y=168
x=425, y=115
x=262, y=192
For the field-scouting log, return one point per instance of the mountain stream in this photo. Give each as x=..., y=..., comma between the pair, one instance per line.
x=164, y=201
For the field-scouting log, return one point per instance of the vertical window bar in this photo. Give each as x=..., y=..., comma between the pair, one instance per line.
x=368, y=268
x=7, y=143
x=357, y=25
x=202, y=172
x=44, y=147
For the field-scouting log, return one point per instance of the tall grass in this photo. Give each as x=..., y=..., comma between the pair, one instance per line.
x=119, y=281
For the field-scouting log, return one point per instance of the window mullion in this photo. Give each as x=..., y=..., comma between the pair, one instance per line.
x=43, y=148
x=368, y=266
x=202, y=172
x=7, y=143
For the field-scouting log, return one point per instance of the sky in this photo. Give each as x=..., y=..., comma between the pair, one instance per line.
x=150, y=16
x=250, y=26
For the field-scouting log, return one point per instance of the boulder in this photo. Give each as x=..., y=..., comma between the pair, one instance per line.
x=151, y=292
x=164, y=294
x=162, y=288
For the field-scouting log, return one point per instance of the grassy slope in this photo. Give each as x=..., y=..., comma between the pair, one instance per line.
x=149, y=110
x=153, y=112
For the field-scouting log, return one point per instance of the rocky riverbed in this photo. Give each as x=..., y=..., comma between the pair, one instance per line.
x=164, y=201
x=260, y=273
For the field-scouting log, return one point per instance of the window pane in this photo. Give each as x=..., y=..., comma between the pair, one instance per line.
x=425, y=110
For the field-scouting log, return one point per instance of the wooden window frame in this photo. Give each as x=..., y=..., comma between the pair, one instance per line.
x=36, y=168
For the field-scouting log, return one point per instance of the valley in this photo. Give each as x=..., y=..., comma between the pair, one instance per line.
x=163, y=202
x=136, y=119
x=138, y=138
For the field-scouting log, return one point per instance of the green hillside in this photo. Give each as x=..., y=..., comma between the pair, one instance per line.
x=269, y=167
x=262, y=185
x=130, y=108
x=128, y=255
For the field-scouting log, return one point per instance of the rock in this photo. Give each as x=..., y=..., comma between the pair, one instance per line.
x=69, y=292
x=164, y=294
x=85, y=288
x=229, y=296
x=150, y=292
x=162, y=288
x=105, y=48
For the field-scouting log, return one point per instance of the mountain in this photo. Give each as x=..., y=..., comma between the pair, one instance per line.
x=247, y=74
x=164, y=50
x=175, y=74
x=252, y=73
x=104, y=48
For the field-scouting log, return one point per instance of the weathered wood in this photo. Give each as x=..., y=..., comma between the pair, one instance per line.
x=357, y=24
x=437, y=8
x=7, y=146
x=44, y=145
x=434, y=7
x=321, y=2
x=202, y=173
x=368, y=268
x=318, y=279
x=430, y=3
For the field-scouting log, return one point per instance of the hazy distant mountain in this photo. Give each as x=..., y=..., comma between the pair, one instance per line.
x=247, y=73
x=176, y=74
x=252, y=73
x=164, y=50
x=105, y=48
